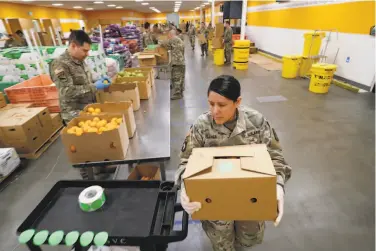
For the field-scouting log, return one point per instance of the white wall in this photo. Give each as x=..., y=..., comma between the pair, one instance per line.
x=360, y=49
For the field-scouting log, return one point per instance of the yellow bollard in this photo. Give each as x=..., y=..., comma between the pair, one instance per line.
x=241, y=54
x=219, y=56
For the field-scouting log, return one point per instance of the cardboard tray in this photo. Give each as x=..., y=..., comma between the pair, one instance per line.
x=135, y=212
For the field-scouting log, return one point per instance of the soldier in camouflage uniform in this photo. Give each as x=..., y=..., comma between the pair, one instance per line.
x=73, y=79
x=192, y=35
x=229, y=124
x=147, y=36
x=227, y=39
x=204, y=46
x=176, y=46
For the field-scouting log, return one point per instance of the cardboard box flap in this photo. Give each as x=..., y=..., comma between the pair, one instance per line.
x=257, y=165
x=226, y=151
x=197, y=163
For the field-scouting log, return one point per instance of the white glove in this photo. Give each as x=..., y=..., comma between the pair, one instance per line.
x=189, y=207
x=280, y=201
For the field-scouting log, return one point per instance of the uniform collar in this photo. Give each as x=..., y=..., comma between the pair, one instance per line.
x=76, y=61
x=239, y=128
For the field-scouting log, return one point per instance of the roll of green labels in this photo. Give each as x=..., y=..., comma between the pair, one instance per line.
x=92, y=199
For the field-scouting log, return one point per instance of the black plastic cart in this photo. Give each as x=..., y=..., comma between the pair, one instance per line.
x=136, y=213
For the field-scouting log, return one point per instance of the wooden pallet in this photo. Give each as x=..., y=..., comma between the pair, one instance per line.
x=44, y=147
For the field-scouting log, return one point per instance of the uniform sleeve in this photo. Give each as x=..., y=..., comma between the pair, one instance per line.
x=68, y=91
x=166, y=44
x=270, y=138
x=193, y=140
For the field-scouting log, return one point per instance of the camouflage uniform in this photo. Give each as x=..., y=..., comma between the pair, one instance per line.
x=192, y=36
x=204, y=46
x=181, y=36
x=147, y=39
x=176, y=46
x=250, y=127
x=76, y=89
x=228, y=44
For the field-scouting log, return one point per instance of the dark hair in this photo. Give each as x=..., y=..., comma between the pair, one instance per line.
x=19, y=32
x=179, y=30
x=147, y=25
x=79, y=37
x=227, y=22
x=226, y=86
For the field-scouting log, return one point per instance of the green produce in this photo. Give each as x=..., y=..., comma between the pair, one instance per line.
x=126, y=74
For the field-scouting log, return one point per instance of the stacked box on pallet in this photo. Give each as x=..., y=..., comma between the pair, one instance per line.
x=25, y=129
x=39, y=91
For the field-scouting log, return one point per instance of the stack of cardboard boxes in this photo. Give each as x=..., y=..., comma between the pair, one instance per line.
x=217, y=40
x=27, y=129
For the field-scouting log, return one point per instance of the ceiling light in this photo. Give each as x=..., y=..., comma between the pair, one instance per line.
x=178, y=2
x=119, y=7
x=98, y=2
x=57, y=4
x=154, y=9
x=145, y=3
x=206, y=3
x=77, y=7
x=111, y=5
x=89, y=9
x=27, y=0
x=139, y=0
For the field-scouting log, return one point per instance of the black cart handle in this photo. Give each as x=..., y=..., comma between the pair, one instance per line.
x=182, y=234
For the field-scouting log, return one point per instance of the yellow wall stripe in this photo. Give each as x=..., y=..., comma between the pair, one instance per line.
x=351, y=17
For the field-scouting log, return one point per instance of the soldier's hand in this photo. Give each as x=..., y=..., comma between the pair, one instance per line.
x=189, y=207
x=280, y=201
x=106, y=80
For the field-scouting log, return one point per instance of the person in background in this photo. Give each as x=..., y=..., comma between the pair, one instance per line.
x=147, y=37
x=192, y=36
x=176, y=46
x=10, y=42
x=227, y=40
x=187, y=27
x=210, y=27
x=73, y=80
x=23, y=41
x=180, y=34
x=227, y=123
x=204, y=46
x=155, y=33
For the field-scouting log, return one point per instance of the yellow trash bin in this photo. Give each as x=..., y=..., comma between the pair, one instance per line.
x=321, y=77
x=241, y=54
x=312, y=43
x=210, y=45
x=219, y=56
x=291, y=65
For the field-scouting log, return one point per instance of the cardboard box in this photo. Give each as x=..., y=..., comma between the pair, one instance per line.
x=145, y=170
x=124, y=108
x=201, y=38
x=57, y=121
x=13, y=106
x=120, y=92
x=219, y=30
x=211, y=34
x=146, y=70
x=232, y=183
x=3, y=102
x=163, y=52
x=143, y=83
x=217, y=43
x=9, y=161
x=146, y=59
x=110, y=145
x=25, y=129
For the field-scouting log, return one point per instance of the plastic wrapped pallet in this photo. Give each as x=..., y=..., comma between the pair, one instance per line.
x=9, y=161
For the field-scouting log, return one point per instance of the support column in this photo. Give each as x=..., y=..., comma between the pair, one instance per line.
x=201, y=15
x=244, y=19
x=212, y=13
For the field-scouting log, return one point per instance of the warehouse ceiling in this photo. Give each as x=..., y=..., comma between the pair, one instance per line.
x=136, y=5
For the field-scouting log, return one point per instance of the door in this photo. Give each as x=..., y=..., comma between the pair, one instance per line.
x=173, y=18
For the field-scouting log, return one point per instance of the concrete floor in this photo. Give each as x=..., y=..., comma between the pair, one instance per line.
x=327, y=139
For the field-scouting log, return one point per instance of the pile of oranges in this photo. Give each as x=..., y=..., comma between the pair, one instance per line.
x=93, y=111
x=95, y=126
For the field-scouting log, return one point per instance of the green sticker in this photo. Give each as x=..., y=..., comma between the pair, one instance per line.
x=56, y=238
x=26, y=236
x=86, y=238
x=40, y=238
x=225, y=167
x=71, y=238
x=100, y=239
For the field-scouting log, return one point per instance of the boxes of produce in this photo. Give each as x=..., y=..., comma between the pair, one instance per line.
x=146, y=59
x=142, y=80
x=246, y=172
x=145, y=172
x=120, y=92
x=100, y=138
x=38, y=90
x=143, y=70
x=25, y=129
x=124, y=107
x=163, y=52
x=3, y=102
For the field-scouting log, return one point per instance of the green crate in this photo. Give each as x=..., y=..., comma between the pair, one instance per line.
x=5, y=85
